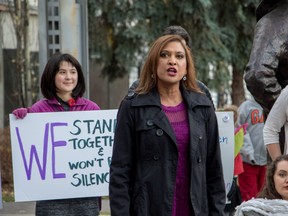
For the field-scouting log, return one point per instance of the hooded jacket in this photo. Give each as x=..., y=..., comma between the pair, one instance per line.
x=65, y=207
x=253, y=150
x=145, y=155
x=52, y=105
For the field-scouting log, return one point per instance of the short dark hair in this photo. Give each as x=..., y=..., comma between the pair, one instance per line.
x=179, y=30
x=48, y=87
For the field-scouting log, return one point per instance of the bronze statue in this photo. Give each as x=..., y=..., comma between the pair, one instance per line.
x=266, y=73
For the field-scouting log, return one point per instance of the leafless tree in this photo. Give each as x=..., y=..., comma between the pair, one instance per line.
x=19, y=12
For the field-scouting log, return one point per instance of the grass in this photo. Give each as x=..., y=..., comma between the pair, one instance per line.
x=7, y=193
x=8, y=196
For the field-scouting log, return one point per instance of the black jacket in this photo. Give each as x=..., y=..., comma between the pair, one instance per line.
x=200, y=84
x=144, y=160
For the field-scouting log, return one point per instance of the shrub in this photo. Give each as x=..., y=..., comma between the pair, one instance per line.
x=6, y=163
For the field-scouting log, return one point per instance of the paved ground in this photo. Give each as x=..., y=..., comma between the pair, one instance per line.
x=27, y=208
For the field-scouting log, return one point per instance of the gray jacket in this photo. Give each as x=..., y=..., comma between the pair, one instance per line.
x=253, y=150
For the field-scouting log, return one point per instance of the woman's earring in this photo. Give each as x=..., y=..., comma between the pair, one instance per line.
x=152, y=76
x=184, y=78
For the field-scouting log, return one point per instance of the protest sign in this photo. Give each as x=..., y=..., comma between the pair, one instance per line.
x=67, y=154
x=226, y=139
x=62, y=154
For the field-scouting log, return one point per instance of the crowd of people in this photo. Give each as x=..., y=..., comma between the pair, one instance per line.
x=166, y=156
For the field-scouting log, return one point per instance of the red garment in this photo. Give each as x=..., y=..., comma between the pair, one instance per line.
x=251, y=181
x=238, y=165
x=239, y=140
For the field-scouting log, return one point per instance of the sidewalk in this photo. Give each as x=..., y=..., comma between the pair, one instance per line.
x=28, y=208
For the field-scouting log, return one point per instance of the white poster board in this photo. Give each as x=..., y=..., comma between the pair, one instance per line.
x=67, y=154
x=226, y=139
x=62, y=154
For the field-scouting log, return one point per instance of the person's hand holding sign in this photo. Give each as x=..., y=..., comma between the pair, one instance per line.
x=20, y=113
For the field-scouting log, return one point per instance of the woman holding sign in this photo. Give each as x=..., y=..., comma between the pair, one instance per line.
x=63, y=85
x=166, y=156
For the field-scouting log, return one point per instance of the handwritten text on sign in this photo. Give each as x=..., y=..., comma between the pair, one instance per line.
x=67, y=155
x=62, y=155
x=226, y=140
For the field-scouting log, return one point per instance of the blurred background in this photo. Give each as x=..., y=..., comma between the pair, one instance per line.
x=110, y=38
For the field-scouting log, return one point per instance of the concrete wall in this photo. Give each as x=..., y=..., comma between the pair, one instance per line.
x=106, y=95
x=9, y=38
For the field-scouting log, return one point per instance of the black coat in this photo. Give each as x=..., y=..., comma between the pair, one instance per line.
x=144, y=160
x=200, y=84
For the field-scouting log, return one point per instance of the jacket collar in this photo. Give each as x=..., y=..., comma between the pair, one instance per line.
x=152, y=98
x=78, y=101
x=194, y=99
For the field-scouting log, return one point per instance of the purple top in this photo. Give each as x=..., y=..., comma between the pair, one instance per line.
x=179, y=121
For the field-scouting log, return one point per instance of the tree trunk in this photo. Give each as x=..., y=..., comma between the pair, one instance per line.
x=221, y=97
x=27, y=54
x=19, y=12
x=238, y=92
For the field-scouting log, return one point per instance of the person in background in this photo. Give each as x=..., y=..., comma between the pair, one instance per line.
x=277, y=118
x=63, y=85
x=253, y=151
x=166, y=156
x=178, y=30
x=234, y=195
x=273, y=198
